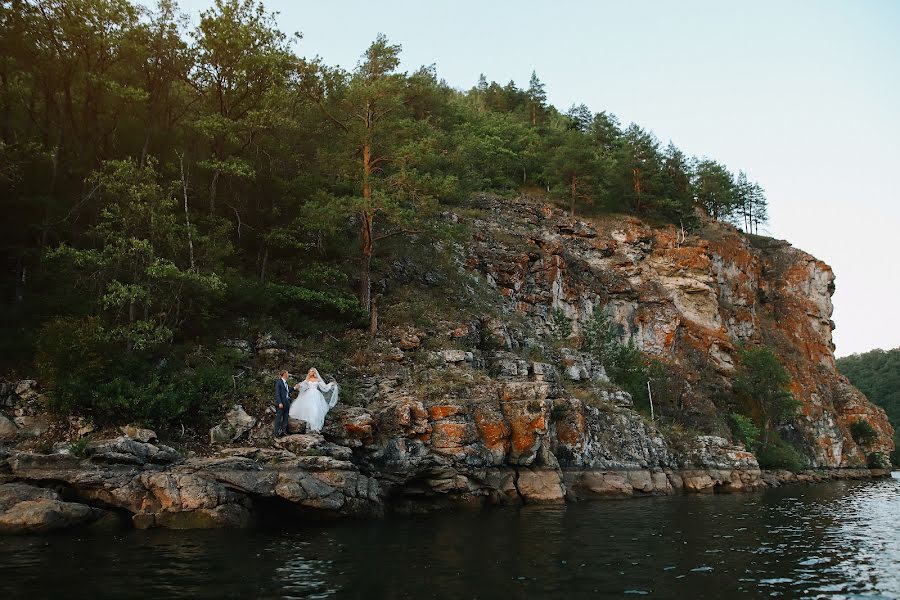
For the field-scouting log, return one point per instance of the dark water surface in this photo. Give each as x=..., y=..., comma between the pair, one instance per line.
x=834, y=540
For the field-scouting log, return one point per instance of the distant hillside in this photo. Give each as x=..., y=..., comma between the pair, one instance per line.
x=877, y=374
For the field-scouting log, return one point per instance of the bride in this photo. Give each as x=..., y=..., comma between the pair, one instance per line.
x=310, y=405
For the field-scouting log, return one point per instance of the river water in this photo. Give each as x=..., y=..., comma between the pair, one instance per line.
x=833, y=540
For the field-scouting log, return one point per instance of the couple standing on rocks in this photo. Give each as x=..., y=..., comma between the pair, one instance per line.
x=310, y=404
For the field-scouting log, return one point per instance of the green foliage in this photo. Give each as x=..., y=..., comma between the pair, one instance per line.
x=878, y=460
x=113, y=387
x=743, y=429
x=877, y=375
x=780, y=455
x=715, y=189
x=863, y=433
x=764, y=383
x=623, y=362
x=79, y=447
x=558, y=412
x=163, y=175
x=561, y=323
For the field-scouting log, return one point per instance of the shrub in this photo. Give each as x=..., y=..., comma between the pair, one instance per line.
x=762, y=380
x=79, y=446
x=561, y=323
x=878, y=460
x=558, y=412
x=743, y=429
x=863, y=432
x=780, y=455
x=623, y=362
x=91, y=375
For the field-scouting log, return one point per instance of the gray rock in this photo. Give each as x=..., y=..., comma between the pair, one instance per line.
x=296, y=425
x=139, y=434
x=27, y=389
x=236, y=424
x=242, y=345
x=265, y=341
x=29, y=509
x=8, y=429
x=124, y=450
x=41, y=516
x=453, y=356
x=33, y=426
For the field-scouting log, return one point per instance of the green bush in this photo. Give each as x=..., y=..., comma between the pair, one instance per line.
x=623, y=362
x=780, y=455
x=79, y=446
x=743, y=429
x=89, y=374
x=561, y=323
x=863, y=432
x=878, y=460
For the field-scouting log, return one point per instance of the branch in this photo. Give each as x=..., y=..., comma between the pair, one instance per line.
x=393, y=233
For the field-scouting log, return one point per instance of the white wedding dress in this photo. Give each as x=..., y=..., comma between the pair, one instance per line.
x=311, y=406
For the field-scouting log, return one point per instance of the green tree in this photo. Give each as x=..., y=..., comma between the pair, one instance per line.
x=764, y=382
x=623, y=362
x=137, y=273
x=383, y=143
x=715, y=190
x=243, y=61
x=573, y=167
x=537, y=98
x=877, y=374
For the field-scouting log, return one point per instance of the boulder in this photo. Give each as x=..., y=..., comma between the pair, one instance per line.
x=33, y=426
x=27, y=389
x=136, y=433
x=350, y=426
x=41, y=516
x=124, y=450
x=453, y=356
x=28, y=509
x=8, y=429
x=313, y=444
x=541, y=486
x=236, y=424
x=296, y=425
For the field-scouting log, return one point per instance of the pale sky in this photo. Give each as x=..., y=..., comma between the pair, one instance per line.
x=803, y=95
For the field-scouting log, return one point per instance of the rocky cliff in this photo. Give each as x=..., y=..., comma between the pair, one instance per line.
x=485, y=396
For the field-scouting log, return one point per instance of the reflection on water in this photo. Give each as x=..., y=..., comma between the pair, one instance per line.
x=836, y=540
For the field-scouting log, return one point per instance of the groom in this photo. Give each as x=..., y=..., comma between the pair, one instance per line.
x=282, y=404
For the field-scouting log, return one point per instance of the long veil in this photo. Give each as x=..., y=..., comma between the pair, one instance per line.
x=334, y=391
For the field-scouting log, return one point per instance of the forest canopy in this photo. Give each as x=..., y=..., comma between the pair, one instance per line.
x=159, y=178
x=877, y=374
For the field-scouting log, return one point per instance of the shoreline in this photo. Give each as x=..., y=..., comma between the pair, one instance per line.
x=130, y=484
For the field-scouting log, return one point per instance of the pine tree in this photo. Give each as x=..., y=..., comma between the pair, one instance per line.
x=537, y=98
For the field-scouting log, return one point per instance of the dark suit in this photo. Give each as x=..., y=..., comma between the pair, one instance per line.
x=283, y=398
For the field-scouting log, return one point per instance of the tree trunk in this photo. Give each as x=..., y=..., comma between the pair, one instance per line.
x=187, y=215
x=262, y=268
x=574, y=187
x=636, y=173
x=212, y=192
x=19, y=291
x=367, y=241
x=365, y=266
x=373, y=318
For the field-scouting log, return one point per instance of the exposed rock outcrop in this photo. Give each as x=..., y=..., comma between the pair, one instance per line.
x=501, y=406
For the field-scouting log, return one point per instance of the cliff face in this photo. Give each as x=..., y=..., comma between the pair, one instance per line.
x=691, y=301
x=484, y=397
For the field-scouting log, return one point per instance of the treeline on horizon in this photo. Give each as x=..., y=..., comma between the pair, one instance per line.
x=159, y=180
x=877, y=374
